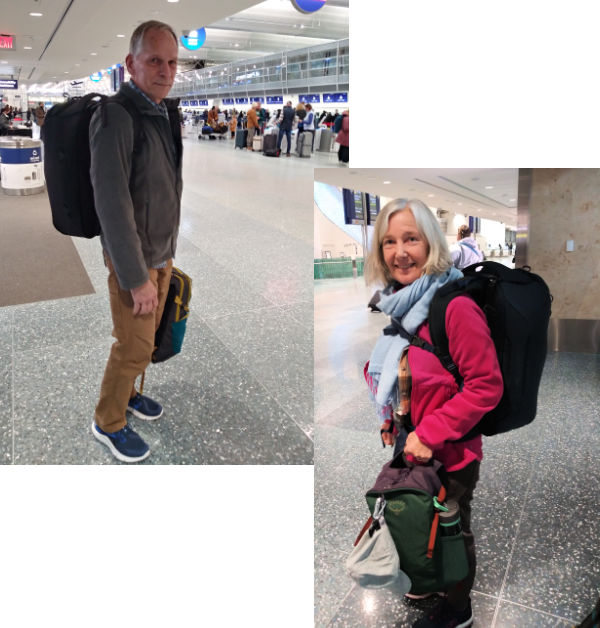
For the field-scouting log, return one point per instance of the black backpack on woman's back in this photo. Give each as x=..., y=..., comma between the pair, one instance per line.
x=516, y=304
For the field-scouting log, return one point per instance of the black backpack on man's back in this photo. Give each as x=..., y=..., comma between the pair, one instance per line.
x=66, y=136
x=516, y=304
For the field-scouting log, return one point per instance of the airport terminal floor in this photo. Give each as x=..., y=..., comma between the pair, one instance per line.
x=241, y=390
x=535, y=513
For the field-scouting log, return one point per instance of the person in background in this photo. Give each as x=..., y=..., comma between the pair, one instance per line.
x=138, y=201
x=4, y=120
x=213, y=117
x=343, y=139
x=423, y=413
x=40, y=114
x=252, y=123
x=263, y=116
x=465, y=252
x=233, y=123
x=308, y=125
x=286, y=122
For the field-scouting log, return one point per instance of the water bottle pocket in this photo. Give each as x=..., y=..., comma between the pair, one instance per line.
x=454, y=558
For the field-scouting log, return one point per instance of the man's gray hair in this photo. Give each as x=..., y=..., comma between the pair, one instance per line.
x=137, y=38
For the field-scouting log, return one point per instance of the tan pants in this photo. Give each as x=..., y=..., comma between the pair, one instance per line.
x=132, y=351
x=251, y=132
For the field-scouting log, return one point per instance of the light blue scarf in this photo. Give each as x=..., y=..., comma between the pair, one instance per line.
x=411, y=304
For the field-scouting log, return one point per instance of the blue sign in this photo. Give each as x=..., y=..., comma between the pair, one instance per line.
x=9, y=84
x=96, y=76
x=20, y=155
x=274, y=100
x=308, y=6
x=193, y=103
x=259, y=99
x=185, y=103
x=203, y=103
x=195, y=39
x=340, y=97
x=228, y=101
x=241, y=101
x=309, y=98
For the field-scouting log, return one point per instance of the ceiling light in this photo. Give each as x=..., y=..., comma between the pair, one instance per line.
x=120, y=35
x=460, y=203
x=512, y=200
x=386, y=182
x=36, y=14
x=172, y=0
x=94, y=54
x=3, y=61
x=489, y=187
x=431, y=195
x=237, y=45
x=27, y=48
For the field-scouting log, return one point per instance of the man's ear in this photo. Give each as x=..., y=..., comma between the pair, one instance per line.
x=129, y=63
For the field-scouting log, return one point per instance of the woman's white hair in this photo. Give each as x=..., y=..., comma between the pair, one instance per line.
x=438, y=258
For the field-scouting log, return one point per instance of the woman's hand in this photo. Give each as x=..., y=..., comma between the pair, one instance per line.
x=415, y=448
x=388, y=437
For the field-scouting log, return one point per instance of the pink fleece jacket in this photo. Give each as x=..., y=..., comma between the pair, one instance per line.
x=439, y=411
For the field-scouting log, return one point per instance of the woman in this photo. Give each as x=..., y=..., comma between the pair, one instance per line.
x=343, y=139
x=423, y=413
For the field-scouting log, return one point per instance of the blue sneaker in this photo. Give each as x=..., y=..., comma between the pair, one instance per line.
x=125, y=444
x=144, y=408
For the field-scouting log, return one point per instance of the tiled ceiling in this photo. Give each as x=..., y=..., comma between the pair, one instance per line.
x=74, y=38
x=484, y=192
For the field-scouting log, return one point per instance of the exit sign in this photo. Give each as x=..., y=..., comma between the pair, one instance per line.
x=7, y=42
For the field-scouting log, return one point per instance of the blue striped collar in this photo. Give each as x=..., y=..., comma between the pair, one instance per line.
x=160, y=107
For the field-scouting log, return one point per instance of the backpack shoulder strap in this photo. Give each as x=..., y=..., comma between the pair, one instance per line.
x=132, y=110
x=469, y=247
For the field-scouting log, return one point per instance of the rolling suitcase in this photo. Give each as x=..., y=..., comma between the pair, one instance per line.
x=257, y=142
x=270, y=145
x=305, y=145
x=241, y=138
x=324, y=143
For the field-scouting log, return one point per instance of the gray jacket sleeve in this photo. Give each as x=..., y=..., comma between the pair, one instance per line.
x=111, y=149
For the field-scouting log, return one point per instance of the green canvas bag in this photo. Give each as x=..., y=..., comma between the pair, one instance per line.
x=415, y=495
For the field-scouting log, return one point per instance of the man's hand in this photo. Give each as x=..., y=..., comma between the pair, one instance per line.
x=145, y=298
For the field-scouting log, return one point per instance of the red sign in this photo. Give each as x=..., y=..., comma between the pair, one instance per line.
x=6, y=42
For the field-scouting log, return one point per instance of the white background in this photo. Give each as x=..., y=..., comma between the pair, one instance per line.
x=467, y=84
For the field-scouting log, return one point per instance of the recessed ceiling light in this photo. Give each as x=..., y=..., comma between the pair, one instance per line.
x=120, y=35
x=27, y=48
x=3, y=61
x=36, y=14
x=386, y=182
x=460, y=203
x=431, y=195
x=94, y=54
x=512, y=200
x=489, y=187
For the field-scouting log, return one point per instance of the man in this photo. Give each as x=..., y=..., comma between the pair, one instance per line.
x=40, y=114
x=252, y=123
x=138, y=197
x=286, y=122
x=465, y=252
x=4, y=120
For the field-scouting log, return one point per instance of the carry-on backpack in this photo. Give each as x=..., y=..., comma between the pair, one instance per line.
x=67, y=161
x=171, y=330
x=415, y=496
x=516, y=304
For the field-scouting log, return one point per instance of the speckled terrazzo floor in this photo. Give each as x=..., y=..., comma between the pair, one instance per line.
x=535, y=512
x=241, y=391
